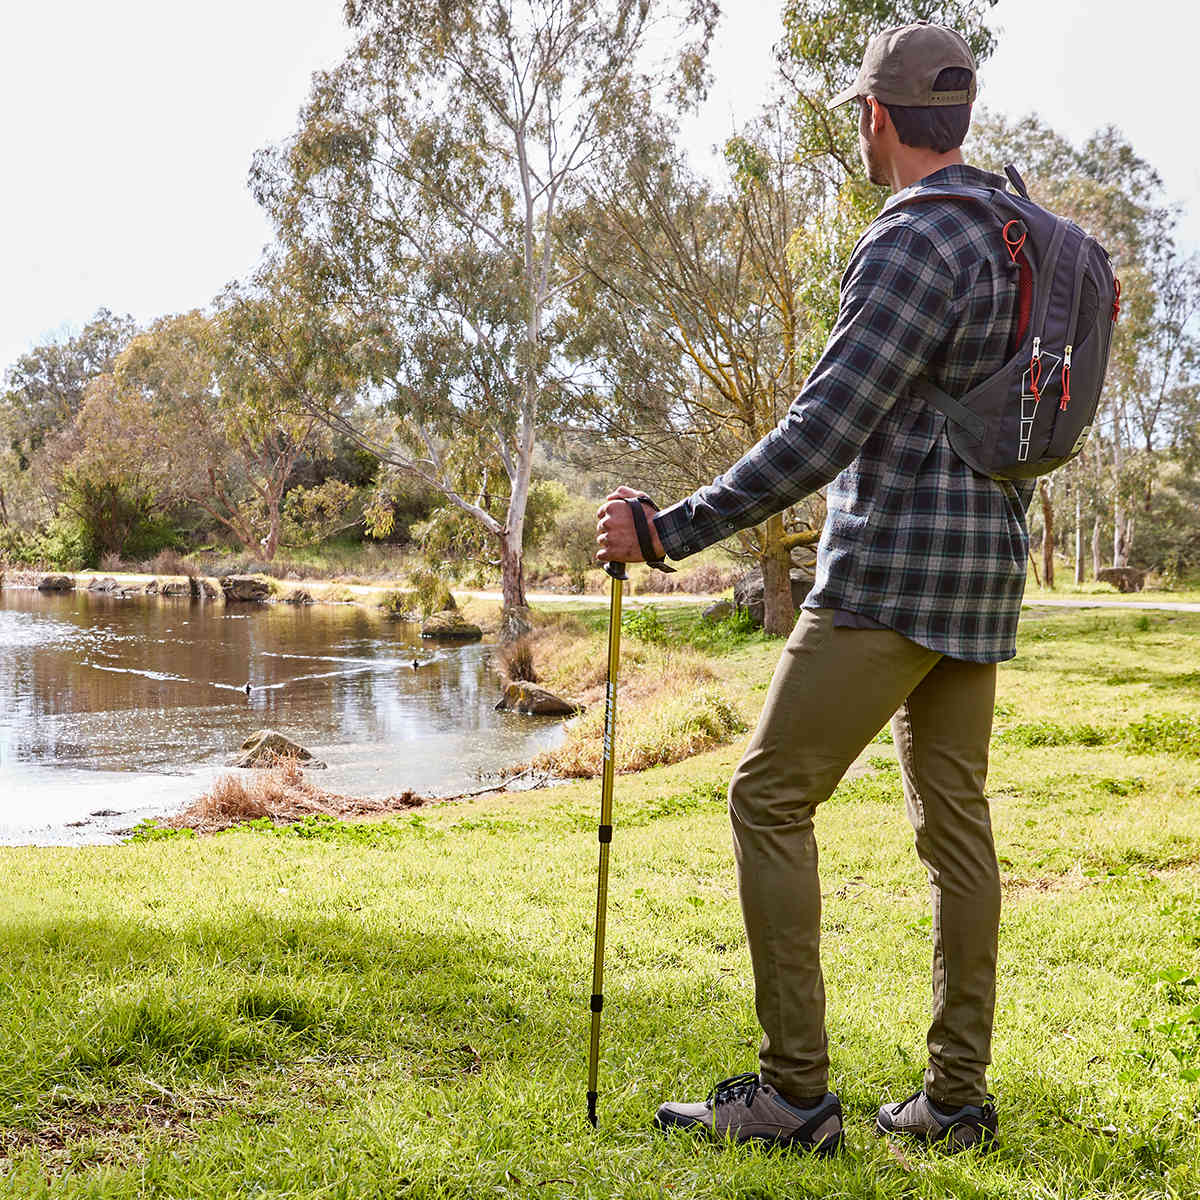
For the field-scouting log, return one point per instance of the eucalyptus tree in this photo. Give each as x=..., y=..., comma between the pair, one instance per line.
x=422, y=198
x=229, y=430
x=41, y=394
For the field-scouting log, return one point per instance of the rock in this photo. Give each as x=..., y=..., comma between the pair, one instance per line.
x=748, y=591
x=515, y=623
x=151, y=589
x=533, y=701
x=717, y=611
x=1124, y=579
x=450, y=624
x=209, y=589
x=175, y=587
x=297, y=596
x=104, y=585
x=56, y=583
x=104, y=812
x=267, y=747
x=247, y=588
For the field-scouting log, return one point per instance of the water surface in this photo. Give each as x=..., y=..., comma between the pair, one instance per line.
x=132, y=705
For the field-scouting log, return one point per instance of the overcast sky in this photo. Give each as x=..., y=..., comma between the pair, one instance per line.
x=128, y=127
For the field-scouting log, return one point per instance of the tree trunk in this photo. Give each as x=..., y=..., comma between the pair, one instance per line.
x=512, y=572
x=1047, y=533
x=1120, y=549
x=779, y=616
x=270, y=543
x=1078, y=535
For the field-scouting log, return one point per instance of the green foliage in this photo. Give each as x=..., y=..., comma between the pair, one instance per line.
x=21, y=548
x=1164, y=733
x=645, y=624
x=151, y=830
x=396, y=604
x=312, y=514
x=429, y=593
x=1051, y=733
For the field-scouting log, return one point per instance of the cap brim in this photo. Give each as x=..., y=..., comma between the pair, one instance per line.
x=851, y=93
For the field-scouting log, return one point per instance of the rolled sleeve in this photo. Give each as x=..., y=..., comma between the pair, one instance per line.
x=896, y=312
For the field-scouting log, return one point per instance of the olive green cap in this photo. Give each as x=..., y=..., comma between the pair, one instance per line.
x=901, y=64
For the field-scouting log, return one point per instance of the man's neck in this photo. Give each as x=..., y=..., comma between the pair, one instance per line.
x=915, y=165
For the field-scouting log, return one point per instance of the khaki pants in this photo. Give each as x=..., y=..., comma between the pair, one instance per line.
x=832, y=691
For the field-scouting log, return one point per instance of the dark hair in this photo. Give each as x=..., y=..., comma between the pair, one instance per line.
x=938, y=128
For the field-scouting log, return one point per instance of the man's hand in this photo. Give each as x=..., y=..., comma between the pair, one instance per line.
x=616, y=538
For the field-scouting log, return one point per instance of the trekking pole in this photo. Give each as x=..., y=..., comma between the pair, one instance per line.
x=616, y=571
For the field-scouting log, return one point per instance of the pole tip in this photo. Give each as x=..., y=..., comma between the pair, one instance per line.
x=591, y=1099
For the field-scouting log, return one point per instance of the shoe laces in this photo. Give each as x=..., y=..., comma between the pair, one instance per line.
x=736, y=1087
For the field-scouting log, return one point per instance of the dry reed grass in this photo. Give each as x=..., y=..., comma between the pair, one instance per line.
x=659, y=724
x=280, y=793
x=670, y=706
x=516, y=661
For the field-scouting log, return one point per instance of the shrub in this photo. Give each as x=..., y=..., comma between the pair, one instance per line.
x=396, y=604
x=170, y=562
x=646, y=624
x=430, y=593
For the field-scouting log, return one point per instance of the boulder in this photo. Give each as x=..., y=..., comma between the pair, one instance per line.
x=107, y=584
x=451, y=625
x=534, y=701
x=717, y=611
x=151, y=589
x=267, y=747
x=245, y=588
x=56, y=583
x=1124, y=579
x=298, y=596
x=175, y=587
x=748, y=591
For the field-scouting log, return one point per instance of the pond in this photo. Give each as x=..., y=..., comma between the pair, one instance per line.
x=129, y=707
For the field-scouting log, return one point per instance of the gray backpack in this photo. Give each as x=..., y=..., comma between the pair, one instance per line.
x=1036, y=412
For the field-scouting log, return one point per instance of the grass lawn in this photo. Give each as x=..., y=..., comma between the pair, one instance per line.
x=399, y=1008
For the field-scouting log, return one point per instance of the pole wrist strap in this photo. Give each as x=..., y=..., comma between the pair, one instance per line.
x=642, y=528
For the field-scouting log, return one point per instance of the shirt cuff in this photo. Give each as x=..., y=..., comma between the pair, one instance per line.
x=673, y=527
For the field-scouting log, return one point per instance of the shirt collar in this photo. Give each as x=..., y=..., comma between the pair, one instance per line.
x=955, y=174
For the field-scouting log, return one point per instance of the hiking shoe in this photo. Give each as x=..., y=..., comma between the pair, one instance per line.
x=918, y=1117
x=745, y=1109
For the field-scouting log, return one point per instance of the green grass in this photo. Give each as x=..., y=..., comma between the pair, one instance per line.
x=399, y=1008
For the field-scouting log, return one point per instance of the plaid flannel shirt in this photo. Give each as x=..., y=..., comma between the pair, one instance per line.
x=914, y=538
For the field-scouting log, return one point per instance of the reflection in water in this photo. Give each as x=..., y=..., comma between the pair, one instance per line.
x=91, y=684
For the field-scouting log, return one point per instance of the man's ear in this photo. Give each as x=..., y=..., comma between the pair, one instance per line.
x=875, y=115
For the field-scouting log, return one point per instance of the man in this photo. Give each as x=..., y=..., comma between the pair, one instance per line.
x=920, y=573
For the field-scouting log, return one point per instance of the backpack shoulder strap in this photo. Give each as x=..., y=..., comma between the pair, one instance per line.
x=954, y=410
